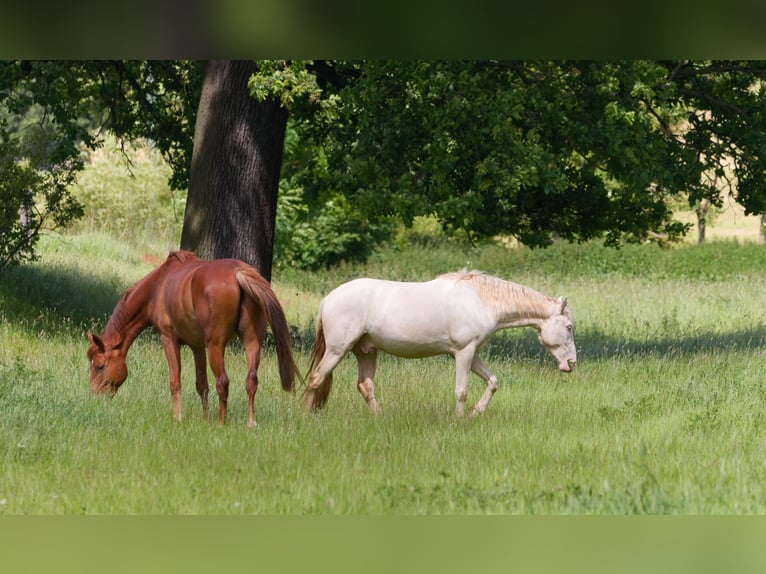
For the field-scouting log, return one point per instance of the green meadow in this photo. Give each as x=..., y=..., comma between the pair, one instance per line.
x=664, y=414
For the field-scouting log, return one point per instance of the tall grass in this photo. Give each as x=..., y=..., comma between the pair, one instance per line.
x=663, y=414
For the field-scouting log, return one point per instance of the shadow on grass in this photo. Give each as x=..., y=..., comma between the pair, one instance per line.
x=57, y=300
x=61, y=300
x=596, y=345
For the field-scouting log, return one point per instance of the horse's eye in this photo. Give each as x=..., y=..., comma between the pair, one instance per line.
x=100, y=368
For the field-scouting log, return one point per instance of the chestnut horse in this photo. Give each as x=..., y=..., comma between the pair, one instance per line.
x=454, y=314
x=200, y=304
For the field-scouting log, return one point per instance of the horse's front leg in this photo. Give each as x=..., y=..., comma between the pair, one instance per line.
x=173, y=356
x=478, y=367
x=364, y=385
x=463, y=360
x=203, y=389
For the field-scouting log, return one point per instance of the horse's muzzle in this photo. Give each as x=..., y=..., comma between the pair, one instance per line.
x=567, y=366
x=104, y=388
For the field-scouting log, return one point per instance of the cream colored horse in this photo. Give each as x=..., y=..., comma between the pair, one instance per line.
x=454, y=314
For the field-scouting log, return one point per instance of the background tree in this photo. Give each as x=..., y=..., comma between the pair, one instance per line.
x=724, y=131
x=535, y=150
x=234, y=177
x=230, y=163
x=40, y=128
x=542, y=149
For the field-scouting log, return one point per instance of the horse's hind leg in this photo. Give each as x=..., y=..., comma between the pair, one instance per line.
x=478, y=367
x=215, y=352
x=253, y=351
x=320, y=380
x=366, y=375
x=252, y=331
x=200, y=366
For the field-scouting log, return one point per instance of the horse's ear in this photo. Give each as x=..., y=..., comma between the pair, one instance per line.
x=563, y=301
x=96, y=340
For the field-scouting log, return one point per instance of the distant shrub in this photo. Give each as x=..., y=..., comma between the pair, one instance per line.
x=321, y=233
x=126, y=193
x=34, y=197
x=561, y=262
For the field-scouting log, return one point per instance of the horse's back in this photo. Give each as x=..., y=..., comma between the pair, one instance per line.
x=373, y=296
x=197, y=296
x=407, y=319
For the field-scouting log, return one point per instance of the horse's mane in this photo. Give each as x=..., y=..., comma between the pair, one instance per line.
x=505, y=296
x=134, y=297
x=181, y=256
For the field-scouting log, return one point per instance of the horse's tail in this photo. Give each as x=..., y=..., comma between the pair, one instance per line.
x=320, y=346
x=258, y=289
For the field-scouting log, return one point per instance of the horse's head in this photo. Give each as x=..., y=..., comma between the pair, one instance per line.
x=108, y=369
x=557, y=336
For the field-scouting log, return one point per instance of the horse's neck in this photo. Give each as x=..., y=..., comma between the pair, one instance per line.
x=528, y=309
x=129, y=318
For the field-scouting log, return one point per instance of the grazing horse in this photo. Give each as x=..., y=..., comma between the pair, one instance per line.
x=200, y=304
x=454, y=314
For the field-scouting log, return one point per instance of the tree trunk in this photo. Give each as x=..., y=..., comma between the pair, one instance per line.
x=235, y=167
x=702, y=211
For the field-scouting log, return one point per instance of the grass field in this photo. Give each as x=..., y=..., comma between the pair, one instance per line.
x=664, y=414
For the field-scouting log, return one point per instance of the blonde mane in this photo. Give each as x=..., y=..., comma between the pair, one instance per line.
x=506, y=297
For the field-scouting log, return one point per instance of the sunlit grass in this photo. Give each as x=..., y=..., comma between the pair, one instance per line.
x=663, y=415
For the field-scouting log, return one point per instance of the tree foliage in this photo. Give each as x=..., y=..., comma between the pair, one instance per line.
x=316, y=224
x=51, y=111
x=318, y=229
x=39, y=156
x=543, y=149
x=530, y=149
x=32, y=200
x=726, y=136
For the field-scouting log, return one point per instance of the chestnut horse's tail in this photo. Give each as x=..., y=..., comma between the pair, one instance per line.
x=257, y=288
x=320, y=346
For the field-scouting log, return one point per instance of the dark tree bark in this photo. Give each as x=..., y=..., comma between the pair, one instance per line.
x=235, y=167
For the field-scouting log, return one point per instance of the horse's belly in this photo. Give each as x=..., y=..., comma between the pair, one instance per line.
x=404, y=346
x=192, y=336
x=187, y=332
